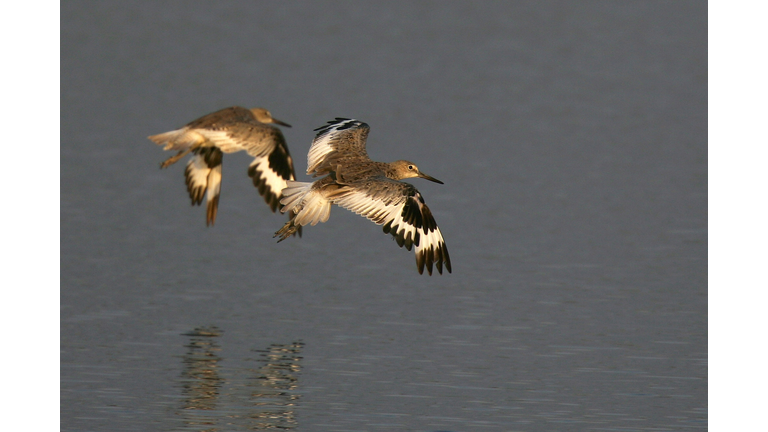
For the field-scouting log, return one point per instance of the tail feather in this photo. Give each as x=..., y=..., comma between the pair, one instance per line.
x=293, y=194
x=179, y=139
x=315, y=208
x=308, y=206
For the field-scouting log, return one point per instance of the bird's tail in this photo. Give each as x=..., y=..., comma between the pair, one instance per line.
x=308, y=204
x=179, y=139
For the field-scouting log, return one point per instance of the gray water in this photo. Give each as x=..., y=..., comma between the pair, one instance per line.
x=572, y=140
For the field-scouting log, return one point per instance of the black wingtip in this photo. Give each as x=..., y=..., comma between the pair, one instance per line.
x=324, y=128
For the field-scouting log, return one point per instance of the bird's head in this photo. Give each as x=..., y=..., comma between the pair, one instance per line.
x=406, y=169
x=265, y=116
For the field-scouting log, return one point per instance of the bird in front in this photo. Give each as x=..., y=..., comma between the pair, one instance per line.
x=371, y=189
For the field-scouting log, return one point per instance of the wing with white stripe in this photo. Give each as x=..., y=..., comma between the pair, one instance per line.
x=339, y=139
x=401, y=209
x=203, y=178
x=271, y=170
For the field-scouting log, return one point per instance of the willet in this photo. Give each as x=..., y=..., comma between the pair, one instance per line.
x=370, y=189
x=227, y=131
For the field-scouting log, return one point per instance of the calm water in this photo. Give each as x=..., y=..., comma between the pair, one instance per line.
x=571, y=138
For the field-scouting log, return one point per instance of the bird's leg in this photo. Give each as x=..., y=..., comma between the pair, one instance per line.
x=291, y=215
x=173, y=159
x=286, y=231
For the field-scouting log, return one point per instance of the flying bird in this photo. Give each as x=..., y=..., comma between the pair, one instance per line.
x=227, y=131
x=371, y=189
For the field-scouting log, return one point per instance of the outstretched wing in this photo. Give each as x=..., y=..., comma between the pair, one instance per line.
x=401, y=209
x=340, y=139
x=235, y=128
x=272, y=167
x=203, y=177
x=226, y=131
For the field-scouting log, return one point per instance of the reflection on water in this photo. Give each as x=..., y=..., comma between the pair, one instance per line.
x=213, y=396
x=201, y=382
x=275, y=386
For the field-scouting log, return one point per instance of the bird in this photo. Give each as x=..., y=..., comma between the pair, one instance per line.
x=231, y=130
x=370, y=189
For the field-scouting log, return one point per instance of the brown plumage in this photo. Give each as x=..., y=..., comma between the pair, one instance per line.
x=371, y=189
x=226, y=131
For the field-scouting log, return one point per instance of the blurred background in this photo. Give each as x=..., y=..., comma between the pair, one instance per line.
x=572, y=141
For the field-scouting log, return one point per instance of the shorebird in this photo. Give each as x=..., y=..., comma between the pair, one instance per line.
x=227, y=131
x=371, y=189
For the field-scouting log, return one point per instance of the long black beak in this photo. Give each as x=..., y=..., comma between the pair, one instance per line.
x=430, y=178
x=281, y=123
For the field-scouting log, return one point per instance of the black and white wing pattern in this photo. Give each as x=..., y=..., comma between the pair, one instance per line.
x=402, y=210
x=231, y=130
x=234, y=129
x=341, y=139
x=271, y=168
x=203, y=176
x=237, y=129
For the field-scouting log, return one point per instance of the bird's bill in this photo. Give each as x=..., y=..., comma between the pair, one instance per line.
x=281, y=123
x=430, y=178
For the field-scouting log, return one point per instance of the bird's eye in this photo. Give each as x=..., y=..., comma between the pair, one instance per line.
x=410, y=167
